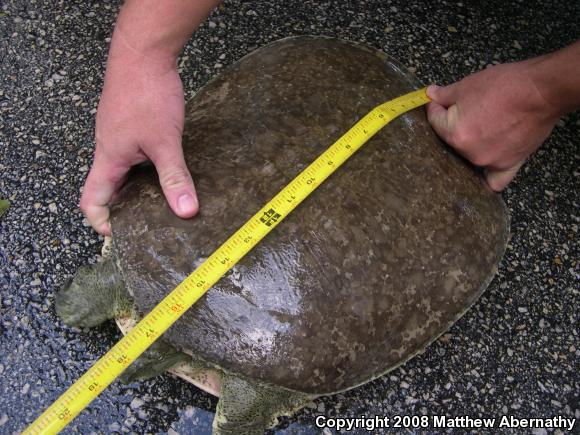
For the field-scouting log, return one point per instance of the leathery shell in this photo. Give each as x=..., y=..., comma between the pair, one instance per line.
x=378, y=262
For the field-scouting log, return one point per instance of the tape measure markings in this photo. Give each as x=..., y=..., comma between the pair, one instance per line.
x=156, y=322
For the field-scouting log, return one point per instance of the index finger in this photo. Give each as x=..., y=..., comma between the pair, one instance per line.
x=102, y=183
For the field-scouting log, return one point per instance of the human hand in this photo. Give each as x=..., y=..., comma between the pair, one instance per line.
x=140, y=117
x=495, y=118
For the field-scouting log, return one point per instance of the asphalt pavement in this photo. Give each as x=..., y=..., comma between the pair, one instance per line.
x=516, y=352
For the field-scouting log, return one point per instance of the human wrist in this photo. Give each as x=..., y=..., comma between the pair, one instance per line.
x=157, y=31
x=539, y=73
x=128, y=54
x=555, y=76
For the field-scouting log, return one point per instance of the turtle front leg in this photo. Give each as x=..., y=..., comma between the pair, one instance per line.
x=158, y=358
x=246, y=408
x=95, y=294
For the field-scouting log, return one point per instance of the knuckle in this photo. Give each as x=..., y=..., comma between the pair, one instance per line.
x=461, y=138
x=177, y=177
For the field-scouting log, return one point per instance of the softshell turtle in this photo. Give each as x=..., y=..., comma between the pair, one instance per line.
x=368, y=271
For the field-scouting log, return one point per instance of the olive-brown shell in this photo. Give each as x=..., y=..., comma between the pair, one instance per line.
x=366, y=272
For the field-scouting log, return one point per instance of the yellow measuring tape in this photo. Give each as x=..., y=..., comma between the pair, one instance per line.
x=154, y=324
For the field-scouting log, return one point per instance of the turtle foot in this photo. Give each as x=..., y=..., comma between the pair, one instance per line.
x=249, y=408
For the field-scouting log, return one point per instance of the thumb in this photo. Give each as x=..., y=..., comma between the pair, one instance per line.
x=442, y=111
x=443, y=95
x=498, y=179
x=176, y=180
x=442, y=120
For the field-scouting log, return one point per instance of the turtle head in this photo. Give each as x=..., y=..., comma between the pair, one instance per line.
x=95, y=294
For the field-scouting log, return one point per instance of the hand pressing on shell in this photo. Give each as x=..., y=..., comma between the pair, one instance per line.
x=499, y=116
x=495, y=118
x=141, y=111
x=140, y=117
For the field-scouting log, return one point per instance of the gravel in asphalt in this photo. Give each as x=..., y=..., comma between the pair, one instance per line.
x=517, y=351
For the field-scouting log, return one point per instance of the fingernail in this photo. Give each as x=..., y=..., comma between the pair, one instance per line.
x=431, y=89
x=186, y=203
